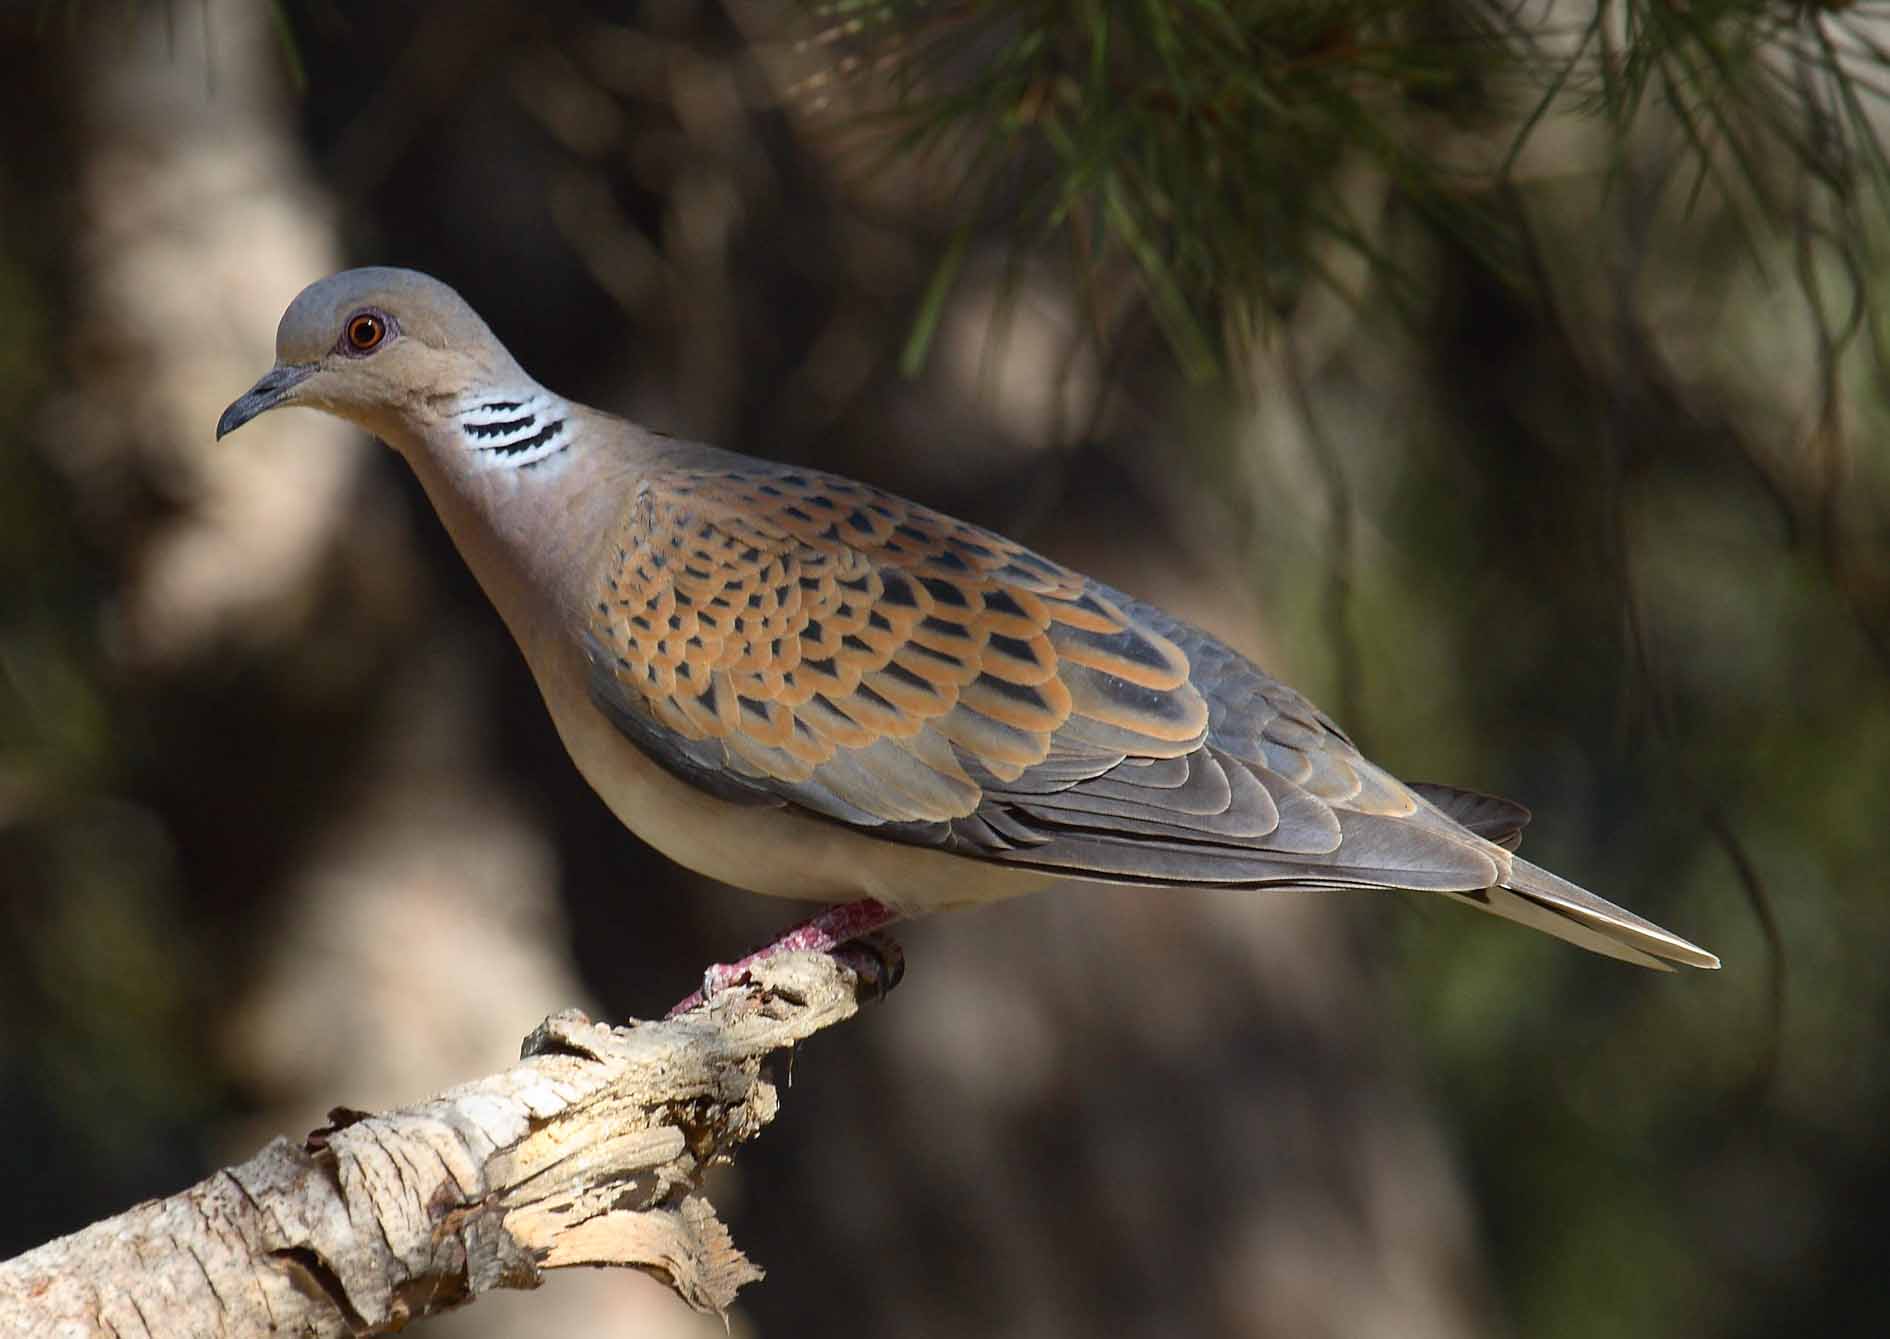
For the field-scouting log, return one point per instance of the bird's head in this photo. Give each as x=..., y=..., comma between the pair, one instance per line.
x=386, y=349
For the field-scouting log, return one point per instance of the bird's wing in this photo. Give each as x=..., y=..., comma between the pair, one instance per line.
x=1489, y=816
x=789, y=637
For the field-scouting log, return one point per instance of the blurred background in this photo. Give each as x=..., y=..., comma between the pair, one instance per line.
x=1593, y=515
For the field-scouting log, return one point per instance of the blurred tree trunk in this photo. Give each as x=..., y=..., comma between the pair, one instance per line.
x=278, y=624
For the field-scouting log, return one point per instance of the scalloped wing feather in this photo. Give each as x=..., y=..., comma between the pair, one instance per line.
x=803, y=631
x=784, y=636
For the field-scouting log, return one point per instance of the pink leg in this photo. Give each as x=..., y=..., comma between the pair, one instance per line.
x=828, y=932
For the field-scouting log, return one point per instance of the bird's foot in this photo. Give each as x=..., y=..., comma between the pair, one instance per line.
x=850, y=932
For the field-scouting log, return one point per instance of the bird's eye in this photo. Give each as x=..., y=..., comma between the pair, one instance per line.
x=364, y=332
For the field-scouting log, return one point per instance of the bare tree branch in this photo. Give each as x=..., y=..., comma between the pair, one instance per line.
x=590, y=1151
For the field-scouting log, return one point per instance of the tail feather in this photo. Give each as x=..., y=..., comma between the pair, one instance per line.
x=1541, y=900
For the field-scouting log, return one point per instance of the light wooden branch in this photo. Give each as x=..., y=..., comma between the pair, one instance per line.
x=588, y=1152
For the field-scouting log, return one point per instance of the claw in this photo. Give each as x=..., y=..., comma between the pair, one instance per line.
x=877, y=960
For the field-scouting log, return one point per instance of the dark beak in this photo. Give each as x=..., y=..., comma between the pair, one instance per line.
x=274, y=388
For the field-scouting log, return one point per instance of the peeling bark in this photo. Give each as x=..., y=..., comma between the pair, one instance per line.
x=590, y=1151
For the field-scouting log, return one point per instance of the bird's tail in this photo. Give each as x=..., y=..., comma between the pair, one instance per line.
x=1542, y=901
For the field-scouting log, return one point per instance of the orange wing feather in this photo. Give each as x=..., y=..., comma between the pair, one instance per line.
x=821, y=631
x=784, y=636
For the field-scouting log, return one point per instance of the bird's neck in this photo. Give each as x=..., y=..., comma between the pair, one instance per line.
x=524, y=482
x=503, y=431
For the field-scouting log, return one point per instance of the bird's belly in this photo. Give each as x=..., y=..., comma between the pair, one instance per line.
x=775, y=851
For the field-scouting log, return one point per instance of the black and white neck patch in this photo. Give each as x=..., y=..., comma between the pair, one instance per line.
x=515, y=431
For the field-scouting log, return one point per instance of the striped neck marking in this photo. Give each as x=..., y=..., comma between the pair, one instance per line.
x=515, y=433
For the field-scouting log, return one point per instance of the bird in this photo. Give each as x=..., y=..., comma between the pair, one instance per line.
x=809, y=687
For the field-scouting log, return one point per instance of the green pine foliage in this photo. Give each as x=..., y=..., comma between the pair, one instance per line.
x=1204, y=145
